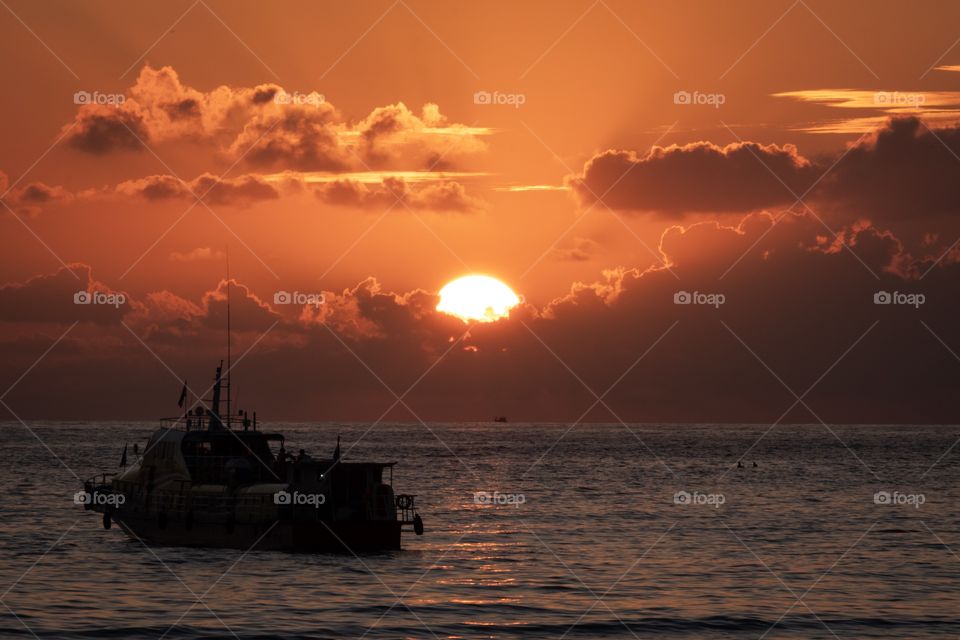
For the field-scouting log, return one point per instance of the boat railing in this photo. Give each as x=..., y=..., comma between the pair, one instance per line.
x=191, y=422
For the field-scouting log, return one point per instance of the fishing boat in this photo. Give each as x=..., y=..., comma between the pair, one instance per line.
x=213, y=479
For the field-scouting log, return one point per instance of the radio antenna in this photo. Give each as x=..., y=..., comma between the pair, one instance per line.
x=229, y=365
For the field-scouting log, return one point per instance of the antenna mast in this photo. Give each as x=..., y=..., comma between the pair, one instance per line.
x=229, y=366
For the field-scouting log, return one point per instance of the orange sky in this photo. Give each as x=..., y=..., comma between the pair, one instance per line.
x=389, y=168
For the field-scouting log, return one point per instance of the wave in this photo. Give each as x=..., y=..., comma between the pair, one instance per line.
x=721, y=626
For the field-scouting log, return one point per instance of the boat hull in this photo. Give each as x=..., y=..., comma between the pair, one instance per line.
x=314, y=536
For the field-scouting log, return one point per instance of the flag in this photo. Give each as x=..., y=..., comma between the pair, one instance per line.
x=183, y=395
x=336, y=452
x=123, y=458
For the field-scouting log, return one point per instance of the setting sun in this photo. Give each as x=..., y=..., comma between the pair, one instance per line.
x=477, y=298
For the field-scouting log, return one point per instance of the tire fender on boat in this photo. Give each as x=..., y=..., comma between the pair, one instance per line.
x=417, y=524
x=107, y=520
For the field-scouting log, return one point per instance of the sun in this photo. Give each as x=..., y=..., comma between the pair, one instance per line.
x=477, y=298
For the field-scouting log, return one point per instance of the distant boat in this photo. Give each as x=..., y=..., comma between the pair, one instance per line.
x=202, y=482
x=499, y=418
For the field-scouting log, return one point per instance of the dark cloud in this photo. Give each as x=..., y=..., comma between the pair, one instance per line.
x=30, y=199
x=798, y=301
x=68, y=295
x=902, y=173
x=901, y=177
x=184, y=325
x=72, y=294
x=40, y=193
x=155, y=187
x=265, y=93
x=444, y=195
x=102, y=129
x=242, y=191
x=696, y=177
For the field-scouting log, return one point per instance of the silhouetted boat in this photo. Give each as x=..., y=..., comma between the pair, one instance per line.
x=500, y=418
x=201, y=482
x=211, y=480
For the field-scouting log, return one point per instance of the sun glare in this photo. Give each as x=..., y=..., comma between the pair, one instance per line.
x=477, y=298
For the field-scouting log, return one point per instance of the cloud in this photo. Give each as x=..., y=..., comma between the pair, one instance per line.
x=268, y=127
x=395, y=137
x=31, y=198
x=939, y=107
x=68, y=295
x=902, y=175
x=695, y=177
x=101, y=129
x=166, y=316
x=444, y=195
x=300, y=138
x=798, y=300
x=159, y=107
x=71, y=294
x=368, y=312
x=579, y=250
x=243, y=190
x=782, y=299
x=40, y=193
x=155, y=187
x=248, y=311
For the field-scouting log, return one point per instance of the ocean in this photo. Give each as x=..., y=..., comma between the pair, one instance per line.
x=532, y=531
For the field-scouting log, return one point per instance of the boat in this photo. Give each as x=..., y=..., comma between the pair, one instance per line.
x=499, y=418
x=215, y=479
